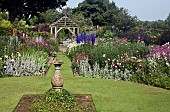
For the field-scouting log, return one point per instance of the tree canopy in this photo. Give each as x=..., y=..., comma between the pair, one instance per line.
x=167, y=21
x=104, y=12
x=28, y=8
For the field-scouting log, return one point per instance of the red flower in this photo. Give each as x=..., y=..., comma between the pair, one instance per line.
x=92, y=61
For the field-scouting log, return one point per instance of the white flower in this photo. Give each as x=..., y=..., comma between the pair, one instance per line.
x=133, y=57
x=19, y=55
x=104, y=55
x=12, y=60
x=167, y=64
x=5, y=56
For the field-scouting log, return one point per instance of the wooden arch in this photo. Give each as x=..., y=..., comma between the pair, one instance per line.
x=66, y=23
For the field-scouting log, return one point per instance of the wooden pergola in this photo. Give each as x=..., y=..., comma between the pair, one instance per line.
x=66, y=23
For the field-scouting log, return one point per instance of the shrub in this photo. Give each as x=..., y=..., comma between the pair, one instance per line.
x=26, y=64
x=112, y=52
x=115, y=61
x=54, y=101
x=123, y=60
x=53, y=46
x=155, y=72
x=85, y=69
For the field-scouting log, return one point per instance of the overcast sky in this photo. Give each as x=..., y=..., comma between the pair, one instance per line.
x=144, y=9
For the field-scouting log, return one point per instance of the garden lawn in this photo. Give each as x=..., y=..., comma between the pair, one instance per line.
x=108, y=95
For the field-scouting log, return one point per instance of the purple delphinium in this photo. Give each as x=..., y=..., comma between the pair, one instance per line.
x=92, y=39
x=83, y=38
x=77, y=38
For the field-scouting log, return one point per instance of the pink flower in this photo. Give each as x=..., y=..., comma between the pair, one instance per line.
x=46, y=44
x=139, y=60
x=113, y=64
x=96, y=42
x=83, y=53
x=139, y=37
x=107, y=43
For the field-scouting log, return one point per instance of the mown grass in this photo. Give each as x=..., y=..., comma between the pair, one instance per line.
x=108, y=95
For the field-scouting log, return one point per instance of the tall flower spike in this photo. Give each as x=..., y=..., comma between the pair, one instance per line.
x=84, y=35
x=77, y=38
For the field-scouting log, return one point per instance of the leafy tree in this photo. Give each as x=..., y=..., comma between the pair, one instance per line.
x=77, y=17
x=153, y=25
x=123, y=21
x=5, y=23
x=29, y=8
x=50, y=16
x=33, y=20
x=93, y=9
x=158, y=25
x=103, y=12
x=167, y=21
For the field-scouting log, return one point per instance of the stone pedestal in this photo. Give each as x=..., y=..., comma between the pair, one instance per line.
x=57, y=80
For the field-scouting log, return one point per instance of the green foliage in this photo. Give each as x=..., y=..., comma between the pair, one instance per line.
x=112, y=51
x=21, y=25
x=33, y=21
x=93, y=10
x=3, y=15
x=107, y=13
x=5, y=23
x=1, y=68
x=49, y=16
x=32, y=63
x=111, y=57
x=81, y=20
x=167, y=21
x=5, y=27
x=155, y=71
x=158, y=72
x=53, y=46
x=56, y=101
x=4, y=42
x=23, y=9
x=109, y=34
x=25, y=57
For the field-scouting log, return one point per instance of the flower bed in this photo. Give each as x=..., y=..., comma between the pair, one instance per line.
x=56, y=101
x=25, y=56
x=122, y=60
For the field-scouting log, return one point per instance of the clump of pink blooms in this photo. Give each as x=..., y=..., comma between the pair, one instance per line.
x=118, y=41
x=161, y=51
